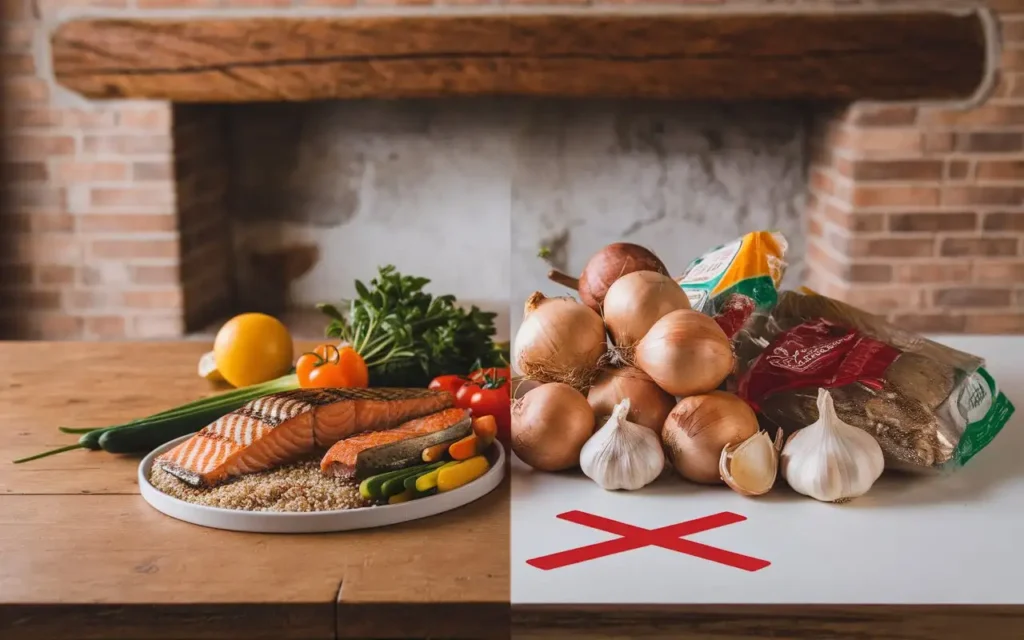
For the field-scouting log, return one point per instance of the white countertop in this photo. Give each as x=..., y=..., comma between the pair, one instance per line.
x=912, y=540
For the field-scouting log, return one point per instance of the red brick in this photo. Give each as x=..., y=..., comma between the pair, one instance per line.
x=882, y=300
x=999, y=272
x=1012, y=60
x=855, y=220
x=15, y=276
x=141, y=145
x=15, y=10
x=991, y=115
x=121, y=249
x=126, y=222
x=105, y=326
x=33, y=299
x=972, y=297
x=177, y=4
x=17, y=37
x=40, y=247
x=35, y=197
x=32, y=117
x=929, y=323
x=995, y=323
x=75, y=172
x=150, y=119
x=897, y=170
x=1004, y=222
x=947, y=271
x=18, y=64
x=37, y=146
x=90, y=119
x=892, y=247
x=1012, y=30
x=162, y=299
x=971, y=195
x=990, y=142
x=884, y=116
x=152, y=171
x=85, y=299
x=880, y=141
x=958, y=170
x=867, y=272
x=1000, y=170
x=155, y=275
x=331, y=3
x=934, y=221
x=132, y=197
x=55, y=274
x=55, y=326
x=938, y=142
x=957, y=247
x=26, y=90
x=25, y=172
x=157, y=326
x=895, y=196
x=1006, y=6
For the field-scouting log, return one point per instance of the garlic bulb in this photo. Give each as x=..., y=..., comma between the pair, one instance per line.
x=830, y=460
x=749, y=467
x=621, y=454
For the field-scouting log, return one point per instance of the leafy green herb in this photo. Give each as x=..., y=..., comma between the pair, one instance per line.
x=544, y=253
x=408, y=336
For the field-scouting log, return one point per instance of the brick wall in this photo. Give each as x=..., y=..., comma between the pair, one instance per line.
x=917, y=213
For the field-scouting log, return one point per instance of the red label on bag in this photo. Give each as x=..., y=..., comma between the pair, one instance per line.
x=816, y=354
x=735, y=312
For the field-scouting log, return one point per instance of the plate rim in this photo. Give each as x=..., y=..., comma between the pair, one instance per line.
x=458, y=497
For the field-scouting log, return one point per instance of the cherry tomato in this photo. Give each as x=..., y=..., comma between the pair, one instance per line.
x=329, y=366
x=493, y=402
x=450, y=383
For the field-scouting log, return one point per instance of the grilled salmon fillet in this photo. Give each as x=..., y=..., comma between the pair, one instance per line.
x=282, y=427
x=342, y=458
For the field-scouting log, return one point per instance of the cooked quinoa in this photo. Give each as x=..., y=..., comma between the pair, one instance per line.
x=295, y=487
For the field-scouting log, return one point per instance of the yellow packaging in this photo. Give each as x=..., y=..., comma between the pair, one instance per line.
x=752, y=265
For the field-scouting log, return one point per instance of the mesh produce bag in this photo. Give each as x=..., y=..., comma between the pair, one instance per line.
x=929, y=406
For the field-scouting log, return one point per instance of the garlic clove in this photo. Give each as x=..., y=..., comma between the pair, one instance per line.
x=750, y=467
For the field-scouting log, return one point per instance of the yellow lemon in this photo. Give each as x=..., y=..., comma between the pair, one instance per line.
x=208, y=368
x=252, y=348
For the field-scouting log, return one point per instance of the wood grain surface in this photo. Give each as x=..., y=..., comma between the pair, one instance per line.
x=722, y=622
x=690, y=56
x=84, y=556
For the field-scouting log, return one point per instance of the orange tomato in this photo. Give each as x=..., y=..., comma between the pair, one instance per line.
x=330, y=366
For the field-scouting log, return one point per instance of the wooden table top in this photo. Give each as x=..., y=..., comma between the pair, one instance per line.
x=82, y=552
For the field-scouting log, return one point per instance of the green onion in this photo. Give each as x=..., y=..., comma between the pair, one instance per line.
x=144, y=434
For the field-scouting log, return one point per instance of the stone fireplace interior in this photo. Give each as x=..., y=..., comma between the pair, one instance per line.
x=227, y=162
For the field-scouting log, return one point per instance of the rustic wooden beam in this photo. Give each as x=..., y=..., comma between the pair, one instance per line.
x=707, y=56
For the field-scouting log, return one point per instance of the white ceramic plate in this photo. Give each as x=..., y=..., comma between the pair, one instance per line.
x=321, y=521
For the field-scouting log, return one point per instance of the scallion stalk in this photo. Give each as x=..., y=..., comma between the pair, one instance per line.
x=146, y=433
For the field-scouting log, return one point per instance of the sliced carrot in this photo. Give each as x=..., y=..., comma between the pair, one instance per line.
x=435, y=453
x=463, y=449
x=486, y=430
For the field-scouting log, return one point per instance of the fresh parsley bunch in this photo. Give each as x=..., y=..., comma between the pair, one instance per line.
x=408, y=336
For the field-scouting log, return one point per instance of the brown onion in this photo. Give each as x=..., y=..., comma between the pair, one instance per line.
x=685, y=353
x=700, y=427
x=522, y=386
x=636, y=301
x=648, y=404
x=560, y=340
x=611, y=263
x=550, y=425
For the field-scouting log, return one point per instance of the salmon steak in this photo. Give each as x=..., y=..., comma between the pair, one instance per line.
x=283, y=427
x=378, y=451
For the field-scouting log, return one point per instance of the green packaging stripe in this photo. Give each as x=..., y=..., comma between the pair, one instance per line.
x=981, y=432
x=760, y=289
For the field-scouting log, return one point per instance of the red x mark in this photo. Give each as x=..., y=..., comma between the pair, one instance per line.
x=636, y=537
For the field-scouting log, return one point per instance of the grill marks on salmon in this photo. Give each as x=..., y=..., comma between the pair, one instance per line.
x=283, y=427
x=342, y=458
